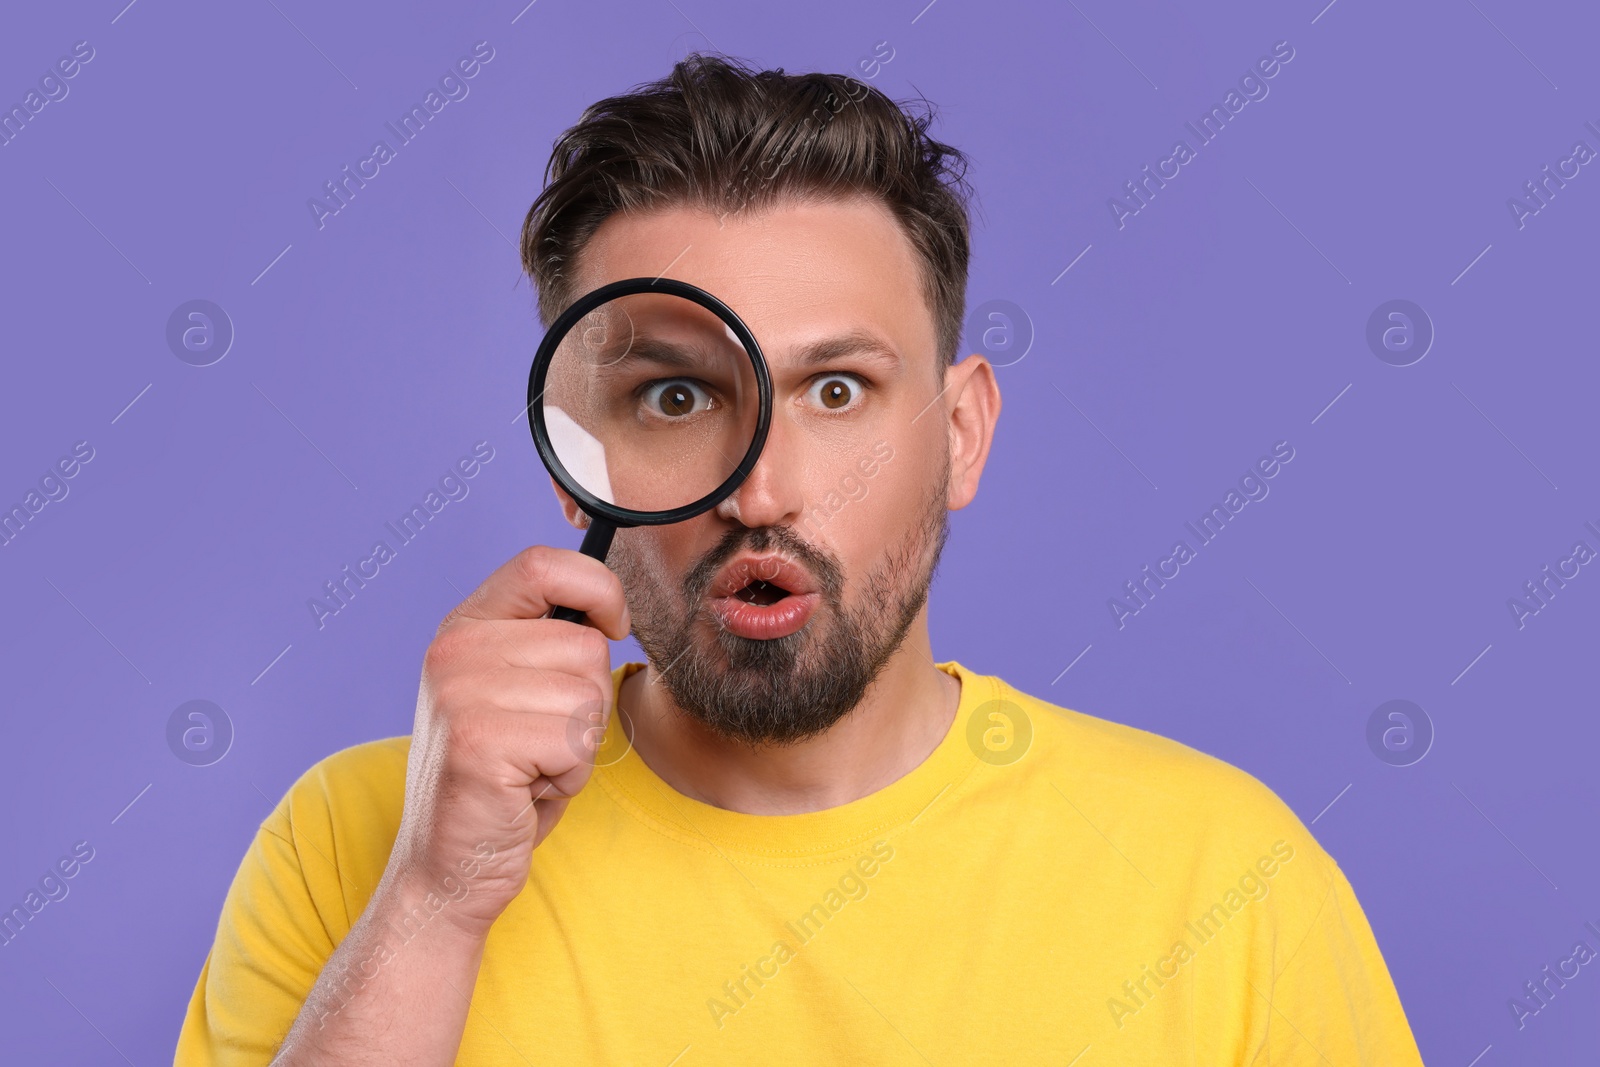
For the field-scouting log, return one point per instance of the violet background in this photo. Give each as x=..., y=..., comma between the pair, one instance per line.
x=1205, y=330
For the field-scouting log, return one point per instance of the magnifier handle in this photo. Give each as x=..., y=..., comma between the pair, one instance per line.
x=596, y=543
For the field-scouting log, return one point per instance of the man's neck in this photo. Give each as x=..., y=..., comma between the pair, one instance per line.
x=900, y=720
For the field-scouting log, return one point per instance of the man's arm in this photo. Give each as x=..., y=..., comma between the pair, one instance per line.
x=509, y=713
x=385, y=998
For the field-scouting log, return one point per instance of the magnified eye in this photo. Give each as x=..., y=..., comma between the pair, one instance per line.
x=836, y=392
x=675, y=398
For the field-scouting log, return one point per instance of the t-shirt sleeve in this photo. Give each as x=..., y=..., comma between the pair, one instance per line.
x=1332, y=1001
x=303, y=882
x=270, y=947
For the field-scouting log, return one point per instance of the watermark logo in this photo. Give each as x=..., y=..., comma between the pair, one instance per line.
x=999, y=732
x=338, y=193
x=52, y=887
x=586, y=734
x=52, y=487
x=53, y=87
x=1140, y=591
x=396, y=935
x=1001, y=331
x=851, y=886
x=1399, y=332
x=453, y=486
x=1542, y=189
x=199, y=332
x=199, y=733
x=1399, y=733
x=1538, y=993
x=1140, y=192
x=1542, y=588
x=1252, y=886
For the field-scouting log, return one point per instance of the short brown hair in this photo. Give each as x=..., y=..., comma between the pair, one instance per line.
x=720, y=135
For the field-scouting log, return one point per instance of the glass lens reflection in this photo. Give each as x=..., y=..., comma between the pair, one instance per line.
x=650, y=402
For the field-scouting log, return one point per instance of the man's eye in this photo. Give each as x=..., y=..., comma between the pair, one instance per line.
x=675, y=398
x=836, y=392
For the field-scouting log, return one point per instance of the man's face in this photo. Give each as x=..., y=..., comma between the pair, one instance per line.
x=767, y=617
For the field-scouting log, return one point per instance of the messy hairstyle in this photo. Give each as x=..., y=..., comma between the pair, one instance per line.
x=718, y=135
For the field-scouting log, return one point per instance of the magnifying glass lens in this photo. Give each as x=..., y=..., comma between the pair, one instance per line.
x=650, y=402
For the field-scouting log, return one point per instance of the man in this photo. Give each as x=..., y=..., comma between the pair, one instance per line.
x=802, y=840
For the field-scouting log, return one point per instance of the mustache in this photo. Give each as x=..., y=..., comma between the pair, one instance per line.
x=826, y=570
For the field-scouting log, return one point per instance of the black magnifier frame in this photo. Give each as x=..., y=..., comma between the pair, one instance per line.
x=606, y=518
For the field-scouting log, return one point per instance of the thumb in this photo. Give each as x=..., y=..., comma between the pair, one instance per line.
x=548, y=812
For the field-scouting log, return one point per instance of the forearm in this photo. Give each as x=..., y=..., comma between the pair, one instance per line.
x=396, y=990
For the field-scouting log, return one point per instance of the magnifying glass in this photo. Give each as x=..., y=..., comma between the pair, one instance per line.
x=649, y=401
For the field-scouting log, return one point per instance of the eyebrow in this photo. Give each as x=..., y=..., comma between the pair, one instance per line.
x=853, y=343
x=817, y=353
x=650, y=350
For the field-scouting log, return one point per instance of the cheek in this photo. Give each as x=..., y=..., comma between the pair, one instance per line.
x=892, y=507
x=637, y=558
x=653, y=561
x=916, y=471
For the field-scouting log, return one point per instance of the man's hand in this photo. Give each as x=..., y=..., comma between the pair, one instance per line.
x=509, y=713
x=511, y=708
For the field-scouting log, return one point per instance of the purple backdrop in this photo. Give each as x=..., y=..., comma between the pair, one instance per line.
x=1152, y=350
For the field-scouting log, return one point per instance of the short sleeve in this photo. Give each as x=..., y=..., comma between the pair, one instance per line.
x=269, y=949
x=303, y=882
x=1333, y=1000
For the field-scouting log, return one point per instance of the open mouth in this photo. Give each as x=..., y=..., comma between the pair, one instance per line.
x=763, y=597
x=762, y=593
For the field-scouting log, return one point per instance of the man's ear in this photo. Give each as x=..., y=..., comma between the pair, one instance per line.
x=569, y=507
x=973, y=414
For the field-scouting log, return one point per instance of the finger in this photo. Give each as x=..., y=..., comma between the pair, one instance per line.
x=541, y=577
x=498, y=698
x=541, y=644
x=532, y=755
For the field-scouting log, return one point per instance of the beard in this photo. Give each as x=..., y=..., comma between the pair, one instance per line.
x=783, y=690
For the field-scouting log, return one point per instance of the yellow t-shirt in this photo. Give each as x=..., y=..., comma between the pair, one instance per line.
x=1046, y=887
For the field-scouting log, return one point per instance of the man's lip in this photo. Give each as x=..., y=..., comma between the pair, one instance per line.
x=764, y=622
x=769, y=567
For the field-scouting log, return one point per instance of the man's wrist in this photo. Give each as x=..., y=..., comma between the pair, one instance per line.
x=410, y=905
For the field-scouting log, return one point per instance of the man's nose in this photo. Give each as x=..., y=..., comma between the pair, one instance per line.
x=773, y=493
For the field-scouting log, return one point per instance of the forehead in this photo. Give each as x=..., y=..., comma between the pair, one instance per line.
x=797, y=273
